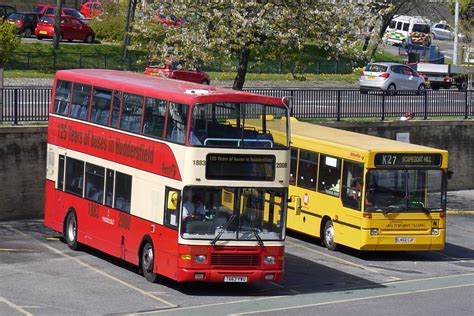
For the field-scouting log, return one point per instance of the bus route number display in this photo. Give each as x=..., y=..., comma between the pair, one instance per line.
x=409, y=160
x=240, y=167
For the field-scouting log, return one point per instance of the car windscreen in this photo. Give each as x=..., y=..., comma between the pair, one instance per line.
x=47, y=20
x=15, y=16
x=422, y=28
x=37, y=9
x=74, y=13
x=376, y=68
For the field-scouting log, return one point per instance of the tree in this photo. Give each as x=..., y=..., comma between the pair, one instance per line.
x=233, y=30
x=57, y=24
x=8, y=44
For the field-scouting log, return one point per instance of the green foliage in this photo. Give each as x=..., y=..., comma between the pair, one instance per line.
x=110, y=26
x=8, y=42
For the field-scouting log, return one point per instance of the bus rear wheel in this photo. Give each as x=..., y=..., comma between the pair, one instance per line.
x=147, y=262
x=328, y=236
x=70, y=231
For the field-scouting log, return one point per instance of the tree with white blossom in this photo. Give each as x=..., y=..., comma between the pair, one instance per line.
x=233, y=30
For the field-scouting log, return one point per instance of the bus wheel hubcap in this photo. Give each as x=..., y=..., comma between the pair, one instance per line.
x=72, y=230
x=329, y=235
x=148, y=258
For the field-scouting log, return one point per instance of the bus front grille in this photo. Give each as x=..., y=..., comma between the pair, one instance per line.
x=234, y=259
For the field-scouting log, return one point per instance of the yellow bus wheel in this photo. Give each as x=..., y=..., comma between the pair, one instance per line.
x=328, y=236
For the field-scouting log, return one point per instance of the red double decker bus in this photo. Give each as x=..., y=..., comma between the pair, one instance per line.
x=183, y=180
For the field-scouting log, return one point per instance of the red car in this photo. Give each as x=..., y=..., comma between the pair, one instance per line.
x=71, y=29
x=175, y=71
x=46, y=9
x=91, y=9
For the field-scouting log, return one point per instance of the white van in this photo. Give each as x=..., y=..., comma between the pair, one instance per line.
x=405, y=29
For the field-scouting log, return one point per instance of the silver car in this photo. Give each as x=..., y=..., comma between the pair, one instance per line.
x=390, y=77
x=442, y=31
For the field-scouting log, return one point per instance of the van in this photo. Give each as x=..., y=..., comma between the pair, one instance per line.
x=404, y=30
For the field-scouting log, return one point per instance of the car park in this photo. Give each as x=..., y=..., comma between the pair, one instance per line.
x=390, y=77
x=71, y=29
x=45, y=9
x=91, y=9
x=175, y=70
x=26, y=22
x=5, y=10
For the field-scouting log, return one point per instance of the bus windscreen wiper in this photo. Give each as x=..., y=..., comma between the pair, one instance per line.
x=257, y=236
x=224, y=228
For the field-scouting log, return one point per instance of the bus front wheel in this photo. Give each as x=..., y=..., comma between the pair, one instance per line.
x=328, y=236
x=70, y=231
x=147, y=262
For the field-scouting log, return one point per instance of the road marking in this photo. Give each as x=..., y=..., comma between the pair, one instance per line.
x=460, y=227
x=342, y=260
x=14, y=306
x=354, y=299
x=450, y=257
x=169, y=304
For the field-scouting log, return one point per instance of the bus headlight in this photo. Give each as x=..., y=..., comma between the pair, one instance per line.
x=434, y=231
x=200, y=259
x=374, y=232
x=269, y=259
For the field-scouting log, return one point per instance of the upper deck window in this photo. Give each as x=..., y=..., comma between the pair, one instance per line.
x=80, y=101
x=100, y=107
x=177, y=122
x=242, y=125
x=131, y=112
x=62, y=97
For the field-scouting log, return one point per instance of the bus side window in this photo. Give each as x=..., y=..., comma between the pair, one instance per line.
x=352, y=184
x=177, y=122
x=293, y=163
x=74, y=176
x=61, y=173
x=131, y=114
x=80, y=101
x=123, y=191
x=329, y=175
x=95, y=183
x=154, y=118
x=307, y=169
x=62, y=97
x=116, y=108
x=172, y=199
x=100, y=107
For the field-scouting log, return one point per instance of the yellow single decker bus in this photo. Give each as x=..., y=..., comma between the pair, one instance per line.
x=366, y=192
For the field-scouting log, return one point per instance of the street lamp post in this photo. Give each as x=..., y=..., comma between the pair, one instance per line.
x=456, y=28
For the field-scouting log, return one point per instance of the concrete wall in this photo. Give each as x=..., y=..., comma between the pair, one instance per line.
x=23, y=158
x=22, y=171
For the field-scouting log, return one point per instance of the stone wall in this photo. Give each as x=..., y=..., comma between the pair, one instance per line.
x=22, y=171
x=23, y=158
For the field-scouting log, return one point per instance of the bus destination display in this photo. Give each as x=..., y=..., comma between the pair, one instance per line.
x=240, y=167
x=408, y=160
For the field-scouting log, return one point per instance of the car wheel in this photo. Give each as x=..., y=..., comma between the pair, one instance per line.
x=70, y=231
x=27, y=33
x=147, y=262
x=421, y=89
x=205, y=81
x=392, y=89
x=328, y=236
x=433, y=35
x=89, y=39
x=462, y=85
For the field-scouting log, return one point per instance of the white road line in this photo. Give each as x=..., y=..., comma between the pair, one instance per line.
x=450, y=257
x=460, y=227
x=14, y=306
x=342, y=260
x=97, y=270
x=354, y=299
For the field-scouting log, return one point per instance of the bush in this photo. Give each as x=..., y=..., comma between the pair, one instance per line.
x=110, y=26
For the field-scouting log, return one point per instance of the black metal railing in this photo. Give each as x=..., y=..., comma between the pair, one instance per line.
x=21, y=104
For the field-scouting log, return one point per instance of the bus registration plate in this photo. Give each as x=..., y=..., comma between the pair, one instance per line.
x=404, y=239
x=232, y=278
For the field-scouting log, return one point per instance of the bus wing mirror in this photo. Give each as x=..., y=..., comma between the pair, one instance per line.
x=172, y=200
x=296, y=204
x=450, y=174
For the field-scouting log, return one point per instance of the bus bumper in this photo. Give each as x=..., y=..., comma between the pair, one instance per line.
x=404, y=242
x=236, y=276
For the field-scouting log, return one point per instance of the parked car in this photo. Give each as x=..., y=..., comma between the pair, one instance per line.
x=175, y=71
x=46, y=9
x=70, y=28
x=91, y=9
x=442, y=30
x=390, y=77
x=26, y=22
x=5, y=10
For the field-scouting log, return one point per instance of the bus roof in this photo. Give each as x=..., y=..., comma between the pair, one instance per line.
x=169, y=89
x=356, y=141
